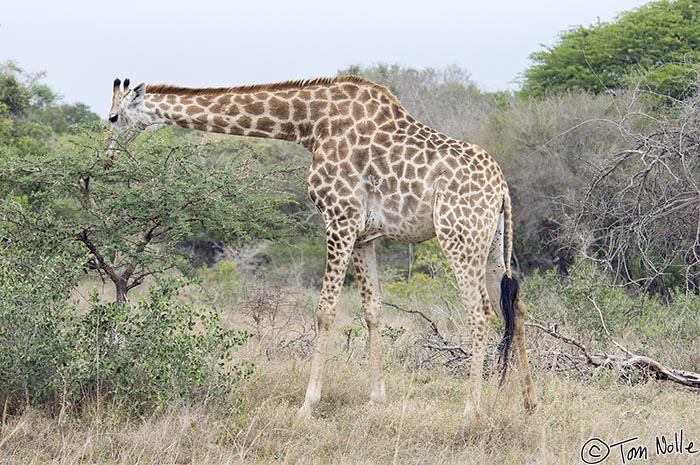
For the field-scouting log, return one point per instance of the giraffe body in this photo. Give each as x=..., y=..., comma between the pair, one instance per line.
x=375, y=172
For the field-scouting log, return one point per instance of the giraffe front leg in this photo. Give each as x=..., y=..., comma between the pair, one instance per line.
x=339, y=249
x=365, y=260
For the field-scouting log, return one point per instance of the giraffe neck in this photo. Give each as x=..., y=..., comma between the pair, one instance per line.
x=298, y=111
x=226, y=111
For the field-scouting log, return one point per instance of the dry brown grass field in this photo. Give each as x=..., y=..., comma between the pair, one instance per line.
x=421, y=423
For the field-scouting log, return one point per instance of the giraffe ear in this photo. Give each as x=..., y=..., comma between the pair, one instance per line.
x=138, y=93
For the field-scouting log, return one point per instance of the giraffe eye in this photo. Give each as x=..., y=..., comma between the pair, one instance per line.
x=113, y=118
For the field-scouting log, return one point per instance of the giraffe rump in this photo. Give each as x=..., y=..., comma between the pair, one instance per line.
x=509, y=295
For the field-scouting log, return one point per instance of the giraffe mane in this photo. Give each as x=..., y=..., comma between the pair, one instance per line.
x=277, y=86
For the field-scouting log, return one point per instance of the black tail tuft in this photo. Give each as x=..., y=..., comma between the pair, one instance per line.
x=509, y=294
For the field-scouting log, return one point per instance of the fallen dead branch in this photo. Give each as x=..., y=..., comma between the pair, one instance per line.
x=437, y=343
x=623, y=362
x=441, y=343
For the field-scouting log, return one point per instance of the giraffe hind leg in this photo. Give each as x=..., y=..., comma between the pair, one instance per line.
x=495, y=271
x=479, y=318
x=495, y=277
x=466, y=250
x=520, y=349
x=365, y=261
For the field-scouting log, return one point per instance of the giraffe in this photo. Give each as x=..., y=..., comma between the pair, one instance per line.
x=375, y=171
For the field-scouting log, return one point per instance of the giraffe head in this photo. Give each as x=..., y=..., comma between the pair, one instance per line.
x=127, y=111
x=127, y=106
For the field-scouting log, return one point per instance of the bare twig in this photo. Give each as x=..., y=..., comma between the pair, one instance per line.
x=436, y=341
x=643, y=201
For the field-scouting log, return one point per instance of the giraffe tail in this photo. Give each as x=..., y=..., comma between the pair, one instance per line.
x=509, y=296
x=509, y=290
x=508, y=233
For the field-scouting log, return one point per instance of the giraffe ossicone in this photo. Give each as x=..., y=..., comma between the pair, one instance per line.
x=376, y=172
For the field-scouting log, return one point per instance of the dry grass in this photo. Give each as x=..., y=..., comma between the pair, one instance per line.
x=422, y=422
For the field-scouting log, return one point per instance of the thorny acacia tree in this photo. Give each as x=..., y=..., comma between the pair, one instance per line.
x=130, y=215
x=643, y=207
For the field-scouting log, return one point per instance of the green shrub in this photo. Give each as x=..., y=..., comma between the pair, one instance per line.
x=431, y=278
x=669, y=331
x=34, y=317
x=138, y=359
x=392, y=334
x=580, y=302
x=161, y=351
x=422, y=287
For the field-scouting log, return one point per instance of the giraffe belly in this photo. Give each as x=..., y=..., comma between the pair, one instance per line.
x=414, y=225
x=412, y=233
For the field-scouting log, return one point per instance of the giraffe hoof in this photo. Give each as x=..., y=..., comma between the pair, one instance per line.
x=305, y=411
x=471, y=409
x=530, y=405
x=377, y=397
x=468, y=410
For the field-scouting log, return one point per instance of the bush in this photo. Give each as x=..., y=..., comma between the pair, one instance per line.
x=579, y=303
x=34, y=318
x=547, y=148
x=641, y=209
x=138, y=359
x=156, y=353
x=574, y=301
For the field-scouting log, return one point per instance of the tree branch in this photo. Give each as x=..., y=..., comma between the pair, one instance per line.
x=101, y=262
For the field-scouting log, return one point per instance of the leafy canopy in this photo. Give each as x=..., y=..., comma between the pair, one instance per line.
x=131, y=217
x=656, y=46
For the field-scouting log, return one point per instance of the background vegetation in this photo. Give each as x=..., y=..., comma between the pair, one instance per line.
x=161, y=308
x=653, y=48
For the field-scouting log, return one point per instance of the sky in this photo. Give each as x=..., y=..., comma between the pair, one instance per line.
x=82, y=45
